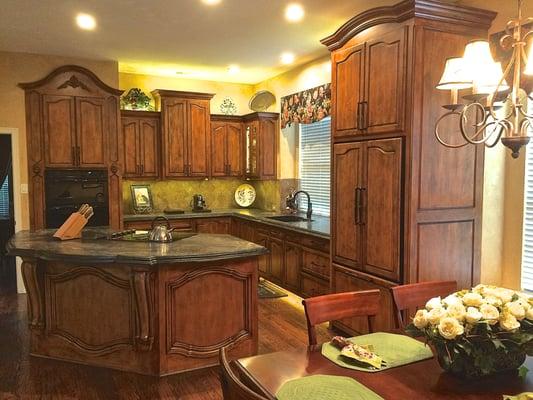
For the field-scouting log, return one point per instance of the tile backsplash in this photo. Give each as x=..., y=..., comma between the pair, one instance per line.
x=219, y=193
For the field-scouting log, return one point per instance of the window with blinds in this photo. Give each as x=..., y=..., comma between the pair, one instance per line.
x=315, y=165
x=527, y=242
x=4, y=199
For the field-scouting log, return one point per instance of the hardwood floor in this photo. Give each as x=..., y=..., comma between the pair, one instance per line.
x=281, y=326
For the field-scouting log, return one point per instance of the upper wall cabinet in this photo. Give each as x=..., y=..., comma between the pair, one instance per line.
x=261, y=145
x=226, y=146
x=369, y=84
x=72, y=121
x=186, y=131
x=142, y=137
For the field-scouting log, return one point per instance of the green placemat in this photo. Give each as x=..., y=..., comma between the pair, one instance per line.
x=521, y=396
x=395, y=350
x=325, y=387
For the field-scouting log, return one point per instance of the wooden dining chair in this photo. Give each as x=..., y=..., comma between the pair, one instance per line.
x=338, y=306
x=232, y=387
x=415, y=295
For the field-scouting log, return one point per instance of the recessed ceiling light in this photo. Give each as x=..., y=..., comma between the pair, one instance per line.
x=211, y=2
x=287, y=58
x=86, y=21
x=294, y=12
x=234, y=69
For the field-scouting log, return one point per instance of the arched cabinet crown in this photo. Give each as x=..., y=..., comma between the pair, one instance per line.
x=72, y=121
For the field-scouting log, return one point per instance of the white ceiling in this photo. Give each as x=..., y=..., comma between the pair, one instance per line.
x=162, y=37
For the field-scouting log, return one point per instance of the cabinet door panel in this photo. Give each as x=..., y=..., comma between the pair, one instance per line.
x=149, y=147
x=383, y=208
x=348, y=163
x=234, y=149
x=276, y=261
x=91, y=135
x=174, y=137
x=385, y=82
x=216, y=226
x=352, y=281
x=292, y=266
x=199, y=135
x=348, y=72
x=263, y=261
x=268, y=135
x=59, y=131
x=130, y=127
x=218, y=146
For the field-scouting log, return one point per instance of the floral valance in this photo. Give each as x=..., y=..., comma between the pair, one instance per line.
x=306, y=107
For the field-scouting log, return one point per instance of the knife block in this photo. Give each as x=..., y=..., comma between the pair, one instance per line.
x=72, y=227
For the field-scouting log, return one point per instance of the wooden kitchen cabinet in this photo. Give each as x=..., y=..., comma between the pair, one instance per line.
x=72, y=121
x=347, y=280
x=367, y=206
x=277, y=261
x=141, y=138
x=227, y=146
x=74, y=132
x=405, y=209
x=293, y=266
x=261, y=145
x=213, y=225
x=369, y=85
x=186, y=130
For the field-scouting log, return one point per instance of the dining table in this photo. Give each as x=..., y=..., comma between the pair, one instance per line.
x=422, y=380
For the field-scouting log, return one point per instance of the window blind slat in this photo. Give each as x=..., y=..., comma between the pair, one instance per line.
x=4, y=199
x=315, y=164
x=527, y=242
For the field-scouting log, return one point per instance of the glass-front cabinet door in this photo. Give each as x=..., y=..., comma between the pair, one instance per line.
x=252, y=150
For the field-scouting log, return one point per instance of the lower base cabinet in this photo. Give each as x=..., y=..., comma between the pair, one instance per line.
x=348, y=280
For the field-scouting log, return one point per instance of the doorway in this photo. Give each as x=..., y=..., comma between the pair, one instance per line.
x=8, y=279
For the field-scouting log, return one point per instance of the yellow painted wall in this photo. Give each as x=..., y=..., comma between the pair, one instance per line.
x=240, y=93
x=21, y=67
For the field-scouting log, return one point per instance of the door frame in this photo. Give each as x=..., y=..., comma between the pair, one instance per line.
x=17, y=195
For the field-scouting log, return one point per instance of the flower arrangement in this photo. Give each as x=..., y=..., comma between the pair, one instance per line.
x=135, y=99
x=478, y=332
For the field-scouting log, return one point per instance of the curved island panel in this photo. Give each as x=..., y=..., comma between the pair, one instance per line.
x=150, y=308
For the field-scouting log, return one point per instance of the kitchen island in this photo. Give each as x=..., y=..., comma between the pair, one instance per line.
x=150, y=308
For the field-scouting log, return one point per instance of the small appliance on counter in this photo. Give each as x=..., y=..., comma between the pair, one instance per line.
x=198, y=204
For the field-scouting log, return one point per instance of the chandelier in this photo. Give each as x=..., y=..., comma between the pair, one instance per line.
x=492, y=110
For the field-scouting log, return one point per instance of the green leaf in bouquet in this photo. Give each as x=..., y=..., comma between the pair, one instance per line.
x=498, y=344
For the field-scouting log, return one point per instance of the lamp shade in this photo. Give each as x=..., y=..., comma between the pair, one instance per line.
x=455, y=76
x=488, y=78
x=477, y=54
x=529, y=65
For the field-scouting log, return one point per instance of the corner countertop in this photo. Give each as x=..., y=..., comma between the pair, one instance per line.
x=319, y=226
x=94, y=248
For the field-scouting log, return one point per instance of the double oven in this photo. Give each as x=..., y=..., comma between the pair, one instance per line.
x=66, y=190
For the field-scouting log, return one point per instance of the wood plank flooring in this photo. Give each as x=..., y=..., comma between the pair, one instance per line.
x=281, y=326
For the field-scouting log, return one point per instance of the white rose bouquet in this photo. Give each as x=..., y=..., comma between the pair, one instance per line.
x=478, y=332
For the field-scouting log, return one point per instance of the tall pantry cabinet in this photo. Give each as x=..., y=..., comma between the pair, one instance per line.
x=405, y=209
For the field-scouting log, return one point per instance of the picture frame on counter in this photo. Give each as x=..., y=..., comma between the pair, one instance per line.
x=141, y=199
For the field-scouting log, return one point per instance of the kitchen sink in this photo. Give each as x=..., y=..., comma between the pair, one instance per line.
x=288, y=218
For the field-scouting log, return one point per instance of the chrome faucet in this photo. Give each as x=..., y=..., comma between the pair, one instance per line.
x=292, y=206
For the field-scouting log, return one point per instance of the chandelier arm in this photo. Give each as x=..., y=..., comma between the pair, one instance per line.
x=501, y=130
x=493, y=99
x=482, y=128
x=437, y=133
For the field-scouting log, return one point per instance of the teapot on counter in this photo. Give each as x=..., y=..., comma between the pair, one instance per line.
x=161, y=233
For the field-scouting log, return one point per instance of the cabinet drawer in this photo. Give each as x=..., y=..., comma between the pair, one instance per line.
x=312, y=286
x=316, y=263
x=315, y=243
x=179, y=225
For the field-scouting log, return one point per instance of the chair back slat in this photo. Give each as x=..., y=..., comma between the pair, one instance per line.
x=415, y=295
x=232, y=387
x=338, y=306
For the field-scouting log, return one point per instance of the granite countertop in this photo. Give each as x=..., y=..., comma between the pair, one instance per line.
x=319, y=226
x=91, y=248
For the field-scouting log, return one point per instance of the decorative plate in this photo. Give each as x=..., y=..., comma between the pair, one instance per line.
x=245, y=195
x=228, y=106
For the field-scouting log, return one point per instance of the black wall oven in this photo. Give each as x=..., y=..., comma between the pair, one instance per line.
x=67, y=190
